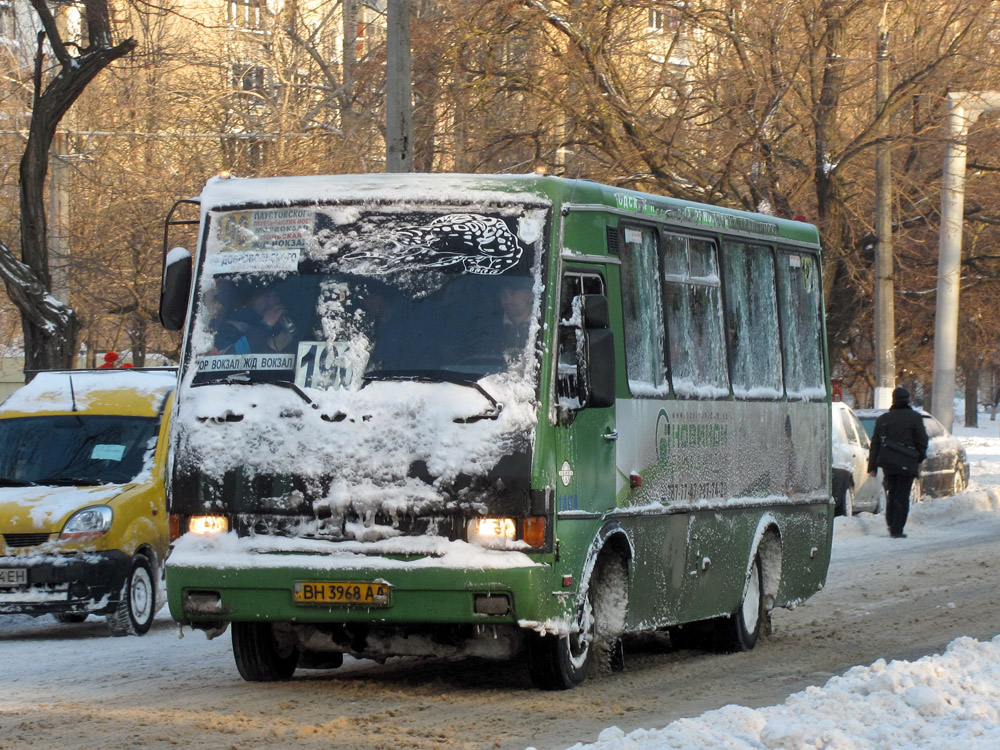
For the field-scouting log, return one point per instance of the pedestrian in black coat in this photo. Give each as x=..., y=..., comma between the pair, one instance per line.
x=905, y=426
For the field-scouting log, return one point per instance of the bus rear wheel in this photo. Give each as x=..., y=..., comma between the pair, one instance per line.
x=594, y=645
x=258, y=654
x=741, y=630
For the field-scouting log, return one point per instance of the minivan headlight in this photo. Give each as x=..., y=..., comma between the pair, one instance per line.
x=88, y=523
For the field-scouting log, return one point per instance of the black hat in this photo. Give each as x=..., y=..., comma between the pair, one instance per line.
x=900, y=396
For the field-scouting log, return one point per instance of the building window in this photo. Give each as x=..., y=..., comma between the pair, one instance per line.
x=246, y=14
x=249, y=78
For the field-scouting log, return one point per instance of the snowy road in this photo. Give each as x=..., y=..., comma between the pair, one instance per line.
x=65, y=686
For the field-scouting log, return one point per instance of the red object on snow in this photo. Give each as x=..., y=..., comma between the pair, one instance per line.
x=109, y=360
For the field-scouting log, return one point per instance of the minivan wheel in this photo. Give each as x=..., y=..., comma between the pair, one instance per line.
x=137, y=603
x=70, y=618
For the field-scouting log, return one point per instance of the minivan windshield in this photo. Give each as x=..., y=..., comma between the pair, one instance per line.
x=74, y=450
x=335, y=297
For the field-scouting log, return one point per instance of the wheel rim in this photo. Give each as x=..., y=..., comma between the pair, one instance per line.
x=958, y=483
x=849, y=502
x=750, y=608
x=141, y=595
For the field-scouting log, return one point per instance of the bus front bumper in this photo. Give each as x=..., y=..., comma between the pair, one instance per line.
x=207, y=588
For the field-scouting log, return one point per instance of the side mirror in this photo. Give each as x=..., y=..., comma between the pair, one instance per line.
x=595, y=311
x=599, y=345
x=175, y=288
x=587, y=372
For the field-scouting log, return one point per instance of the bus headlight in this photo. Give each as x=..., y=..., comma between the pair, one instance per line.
x=88, y=523
x=492, y=532
x=208, y=524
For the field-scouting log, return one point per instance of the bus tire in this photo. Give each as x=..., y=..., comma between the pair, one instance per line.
x=741, y=630
x=563, y=662
x=259, y=657
x=137, y=603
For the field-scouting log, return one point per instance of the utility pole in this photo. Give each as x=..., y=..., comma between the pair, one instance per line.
x=399, y=102
x=964, y=108
x=885, y=318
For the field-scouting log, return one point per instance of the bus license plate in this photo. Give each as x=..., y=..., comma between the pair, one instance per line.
x=335, y=592
x=13, y=576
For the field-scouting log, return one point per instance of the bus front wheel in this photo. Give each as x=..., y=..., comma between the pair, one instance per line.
x=563, y=662
x=259, y=656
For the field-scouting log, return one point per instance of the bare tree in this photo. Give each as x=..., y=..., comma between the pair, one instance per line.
x=50, y=327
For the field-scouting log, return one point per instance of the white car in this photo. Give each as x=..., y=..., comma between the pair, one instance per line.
x=850, y=464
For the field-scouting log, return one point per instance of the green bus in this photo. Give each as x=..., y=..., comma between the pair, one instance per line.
x=491, y=415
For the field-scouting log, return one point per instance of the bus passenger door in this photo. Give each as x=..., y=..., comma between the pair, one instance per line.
x=585, y=448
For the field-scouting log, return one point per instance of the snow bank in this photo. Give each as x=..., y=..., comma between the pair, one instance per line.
x=943, y=701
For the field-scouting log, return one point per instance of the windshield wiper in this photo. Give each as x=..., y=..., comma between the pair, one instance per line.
x=243, y=378
x=8, y=482
x=439, y=376
x=70, y=482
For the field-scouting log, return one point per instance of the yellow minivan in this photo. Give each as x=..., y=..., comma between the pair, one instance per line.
x=83, y=527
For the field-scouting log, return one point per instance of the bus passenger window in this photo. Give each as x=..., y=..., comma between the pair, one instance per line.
x=693, y=306
x=643, y=313
x=752, y=320
x=799, y=302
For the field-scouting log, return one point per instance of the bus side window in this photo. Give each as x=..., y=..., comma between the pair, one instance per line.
x=642, y=310
x=752, y=320
x=693, y=309
x=799, y=297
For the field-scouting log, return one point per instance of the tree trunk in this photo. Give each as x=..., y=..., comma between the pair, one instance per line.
x=972, y=395
x=50, y=327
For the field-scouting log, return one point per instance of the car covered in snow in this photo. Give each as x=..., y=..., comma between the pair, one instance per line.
x=851, y=444
x=945, y=471
x=83, y=525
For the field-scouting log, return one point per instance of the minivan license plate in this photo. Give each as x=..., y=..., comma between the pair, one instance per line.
x=13, y=576
x=337, y=592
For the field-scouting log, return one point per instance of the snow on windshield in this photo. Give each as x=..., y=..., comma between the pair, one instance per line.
x=403, y=341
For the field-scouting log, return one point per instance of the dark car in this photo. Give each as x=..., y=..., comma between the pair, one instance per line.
x=945, y=471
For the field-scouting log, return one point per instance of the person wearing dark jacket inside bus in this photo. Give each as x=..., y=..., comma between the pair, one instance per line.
x=905, y=427
x=262, y=326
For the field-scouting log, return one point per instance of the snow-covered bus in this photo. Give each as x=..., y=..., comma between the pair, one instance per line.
x=497, y=416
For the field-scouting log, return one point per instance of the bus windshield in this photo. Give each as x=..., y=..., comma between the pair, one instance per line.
x=332, y=298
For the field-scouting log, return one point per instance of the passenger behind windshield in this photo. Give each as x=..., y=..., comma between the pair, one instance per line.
x=517, y=299
x=262, y=324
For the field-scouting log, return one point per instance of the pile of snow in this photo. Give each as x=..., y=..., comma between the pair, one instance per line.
x=942, y=701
